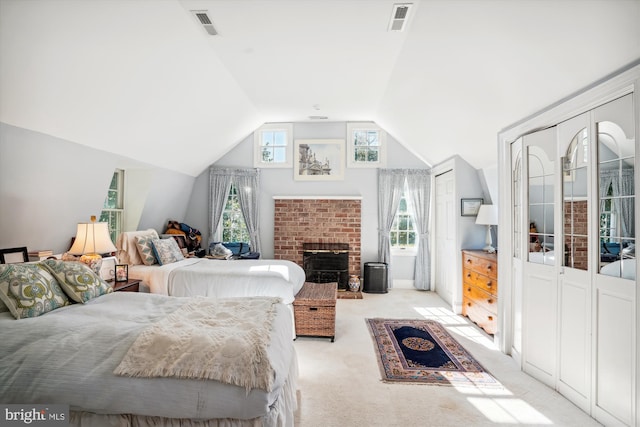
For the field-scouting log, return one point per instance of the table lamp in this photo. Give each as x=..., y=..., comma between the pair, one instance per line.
x=488, y=215
x=92, y=239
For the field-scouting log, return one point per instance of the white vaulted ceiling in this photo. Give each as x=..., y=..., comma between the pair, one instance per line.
x=143, y=79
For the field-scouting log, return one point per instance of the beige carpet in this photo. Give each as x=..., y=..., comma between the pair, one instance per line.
x=340, y=383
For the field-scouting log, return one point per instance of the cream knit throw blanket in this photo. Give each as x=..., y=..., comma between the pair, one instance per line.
x=224, y=340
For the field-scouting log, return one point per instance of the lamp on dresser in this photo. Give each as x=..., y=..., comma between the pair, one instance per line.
x=92, y=239
x=488, y=215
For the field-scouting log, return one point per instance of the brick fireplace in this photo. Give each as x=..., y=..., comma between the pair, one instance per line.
x=299, y=220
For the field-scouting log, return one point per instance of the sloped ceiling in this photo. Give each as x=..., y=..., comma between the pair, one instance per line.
x=142, y=78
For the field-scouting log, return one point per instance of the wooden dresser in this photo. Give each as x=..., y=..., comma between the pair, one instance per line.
x=480, y=288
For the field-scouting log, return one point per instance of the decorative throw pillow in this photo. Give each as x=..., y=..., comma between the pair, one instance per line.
x=167, y=251
x=77, y=280
x=29, y=290
x=145, y=249
x=127, y=252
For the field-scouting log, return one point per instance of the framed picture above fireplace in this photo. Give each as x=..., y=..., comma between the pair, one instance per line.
x=319, y=160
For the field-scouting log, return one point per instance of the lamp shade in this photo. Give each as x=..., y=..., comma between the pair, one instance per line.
x=487, y=215
x=92, y=238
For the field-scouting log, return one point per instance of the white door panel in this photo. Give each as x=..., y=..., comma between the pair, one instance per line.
x=540, y=296
x=614, y=352
x=574, y=371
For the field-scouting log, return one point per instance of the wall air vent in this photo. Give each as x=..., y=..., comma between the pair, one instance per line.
x=203, y=19
x=318, y=117
x=399, y=16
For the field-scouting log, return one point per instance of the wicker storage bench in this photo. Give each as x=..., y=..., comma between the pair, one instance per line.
x=315, y=310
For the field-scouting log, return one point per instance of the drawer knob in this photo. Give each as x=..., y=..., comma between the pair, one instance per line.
x=468, y=289
x=489, y=301
x=489, y=284
x=489, y=267
x=468, y=304
x=469, y=260
x=490, y=317
x=468, y=275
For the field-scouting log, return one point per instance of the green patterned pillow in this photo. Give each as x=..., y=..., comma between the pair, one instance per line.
x=77, y=280
x=145, y=249
x=29, y=290
x=167, y=251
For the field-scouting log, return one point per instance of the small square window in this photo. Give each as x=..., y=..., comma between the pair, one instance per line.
x=273, y=144
x=365, y=145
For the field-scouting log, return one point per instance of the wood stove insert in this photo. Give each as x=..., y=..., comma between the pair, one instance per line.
x=326, y=262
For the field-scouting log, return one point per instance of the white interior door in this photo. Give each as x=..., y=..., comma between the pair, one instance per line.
x=445, y=236
x=574, y=280
x=615, y=275
x=540, y=292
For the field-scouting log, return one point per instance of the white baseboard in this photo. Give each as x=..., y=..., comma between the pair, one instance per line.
x=402, y=284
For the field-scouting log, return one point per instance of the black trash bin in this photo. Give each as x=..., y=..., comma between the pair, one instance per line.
x=375, y=278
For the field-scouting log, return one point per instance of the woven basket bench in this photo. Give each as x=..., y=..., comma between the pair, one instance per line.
x=315, y=310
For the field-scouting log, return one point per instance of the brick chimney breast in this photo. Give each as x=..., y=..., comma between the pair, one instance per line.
x=320, y=219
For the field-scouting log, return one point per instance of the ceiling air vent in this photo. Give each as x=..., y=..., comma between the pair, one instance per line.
x=399, y=16
x=203, y=18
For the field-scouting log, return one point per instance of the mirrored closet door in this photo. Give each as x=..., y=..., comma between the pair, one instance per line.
x=573, y=257
x=615, y=281
x=539, y=286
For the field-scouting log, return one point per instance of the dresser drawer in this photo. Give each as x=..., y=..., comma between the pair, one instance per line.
x=485, y=299
x=485, y=283
x=479, y=315
x=480, y=265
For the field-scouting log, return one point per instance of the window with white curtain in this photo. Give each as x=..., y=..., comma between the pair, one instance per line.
x=234, y=228
x=403, y=233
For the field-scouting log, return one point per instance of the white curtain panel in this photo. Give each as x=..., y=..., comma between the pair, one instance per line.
x=390, y=186
x=419, y=188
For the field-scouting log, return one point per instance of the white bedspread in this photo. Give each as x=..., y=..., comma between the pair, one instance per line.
x=223, y=278
x=68, y=356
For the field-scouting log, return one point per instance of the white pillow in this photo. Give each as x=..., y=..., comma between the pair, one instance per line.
x=126, y=245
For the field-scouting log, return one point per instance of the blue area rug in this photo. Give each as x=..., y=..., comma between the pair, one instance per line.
x=422, y=351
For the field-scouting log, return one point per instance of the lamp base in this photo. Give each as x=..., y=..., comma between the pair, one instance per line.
x=489, y=242
x=93, y=261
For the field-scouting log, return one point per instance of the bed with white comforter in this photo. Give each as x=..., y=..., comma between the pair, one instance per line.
x=223, y=278
x=211, y=277
x=68, y=356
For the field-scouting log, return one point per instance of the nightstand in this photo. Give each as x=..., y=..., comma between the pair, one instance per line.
x=131, y=285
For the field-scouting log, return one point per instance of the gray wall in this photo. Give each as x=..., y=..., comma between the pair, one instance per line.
x=48, y=185
x=280, y=182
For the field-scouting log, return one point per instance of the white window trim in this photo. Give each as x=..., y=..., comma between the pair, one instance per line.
x=397, y=251
x=257, y=145
x=366, y=126
x=120, y=209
